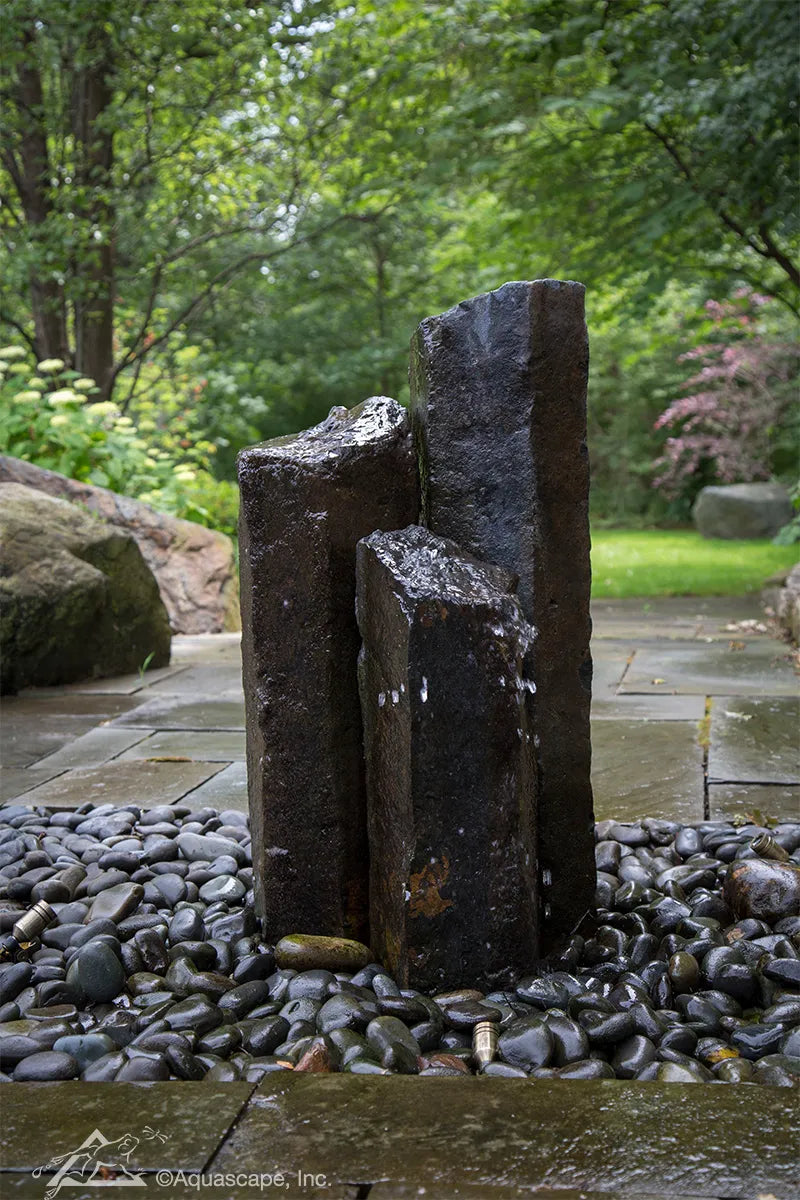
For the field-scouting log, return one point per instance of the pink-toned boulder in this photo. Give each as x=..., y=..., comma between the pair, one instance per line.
x=194, y=566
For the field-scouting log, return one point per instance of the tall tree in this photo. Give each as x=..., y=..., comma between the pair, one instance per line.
x=152, y=152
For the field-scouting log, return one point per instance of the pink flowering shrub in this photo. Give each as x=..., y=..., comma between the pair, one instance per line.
x=734, y=424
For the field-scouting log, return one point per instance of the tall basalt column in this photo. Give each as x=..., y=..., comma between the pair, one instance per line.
x=444, y=676
x=498, y=397
x=305, y=503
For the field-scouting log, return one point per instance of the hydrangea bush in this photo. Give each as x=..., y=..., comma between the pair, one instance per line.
x=50, y=416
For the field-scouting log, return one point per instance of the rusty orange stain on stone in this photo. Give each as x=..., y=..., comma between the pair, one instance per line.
x=426, y=900
x=429, y=610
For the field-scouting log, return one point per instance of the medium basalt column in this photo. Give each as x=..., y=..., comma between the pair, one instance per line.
x=444, y=677
x=498, y=397
x=306, y=501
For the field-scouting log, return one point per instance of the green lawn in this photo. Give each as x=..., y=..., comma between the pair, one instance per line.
x=659, y=562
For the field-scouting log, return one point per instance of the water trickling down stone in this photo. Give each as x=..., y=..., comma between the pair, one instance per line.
x=450, y=764
x=306, y=501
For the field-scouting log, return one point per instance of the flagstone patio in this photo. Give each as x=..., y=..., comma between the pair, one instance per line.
x=690, y=719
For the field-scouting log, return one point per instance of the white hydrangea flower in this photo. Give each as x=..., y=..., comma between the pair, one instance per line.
x=9, y=352
x=62, y=396
x=49, y=366
x=59, y=419
x=28, y=397
x=103, y=408
x=84, y=384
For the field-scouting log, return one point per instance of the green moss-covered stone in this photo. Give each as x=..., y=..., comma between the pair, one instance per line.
x=76, y=597
x=309, y=952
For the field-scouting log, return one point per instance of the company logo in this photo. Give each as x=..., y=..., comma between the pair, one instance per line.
x=97, y=1161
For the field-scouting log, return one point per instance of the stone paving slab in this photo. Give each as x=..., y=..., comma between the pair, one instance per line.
x=647, y=768
x=16, y=781
x=41, y=1120
x=121, y=684
x=735, y=667
x=207, y=649
x=186, y=1185
x=178, y=712
x=92, y=749
x=602, y=1136
x=738, y=799
x=649, y=708
x=388, y=1191
x=212, y=746
x=610, y=662
x=34, y=725
x=223, y=680
x=226, y=789
x=680, y=617
x=755, y=740
x=144, y=783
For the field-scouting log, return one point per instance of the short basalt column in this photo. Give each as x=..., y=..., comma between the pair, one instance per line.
x=498, y=395
x=444, y=676
x=306, y=501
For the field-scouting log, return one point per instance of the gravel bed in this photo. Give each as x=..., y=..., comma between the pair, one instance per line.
x=155, y=968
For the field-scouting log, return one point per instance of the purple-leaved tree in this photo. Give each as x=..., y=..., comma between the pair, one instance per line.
x=733, y=425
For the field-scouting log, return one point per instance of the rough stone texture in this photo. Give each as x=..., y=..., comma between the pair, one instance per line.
x=194, y=566
x=742, y=510
x=306, y=502
x=498, y=396
x=78, y=599
x=782, y=595
x=451, y=774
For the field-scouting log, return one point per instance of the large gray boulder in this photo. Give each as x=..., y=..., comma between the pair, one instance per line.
x=742, y=510
x=77, y=600
x=194, y=566
x=781, y=596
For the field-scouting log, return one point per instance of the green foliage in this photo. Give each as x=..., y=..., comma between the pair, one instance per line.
x=681, y=563
x=790, y=533
x=254, y=206
x=50, y=416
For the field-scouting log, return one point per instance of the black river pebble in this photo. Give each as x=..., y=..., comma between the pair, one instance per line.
x=155, y=968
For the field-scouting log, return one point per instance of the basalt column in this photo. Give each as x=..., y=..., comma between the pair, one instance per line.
x=498, y=396
x=444, y=676
x=305, y=503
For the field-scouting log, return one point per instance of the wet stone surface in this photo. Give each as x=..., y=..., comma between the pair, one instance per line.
x=680, y=981
x=446, y=679
x=755, y=740
x=498, y=405
x=623, y=1139
x=306, y=502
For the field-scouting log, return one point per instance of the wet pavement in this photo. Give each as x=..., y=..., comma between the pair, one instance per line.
x=695, y=714
x=350, y=1138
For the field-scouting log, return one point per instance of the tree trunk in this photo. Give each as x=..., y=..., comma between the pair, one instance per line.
x=94, y=307
x=30, y=169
